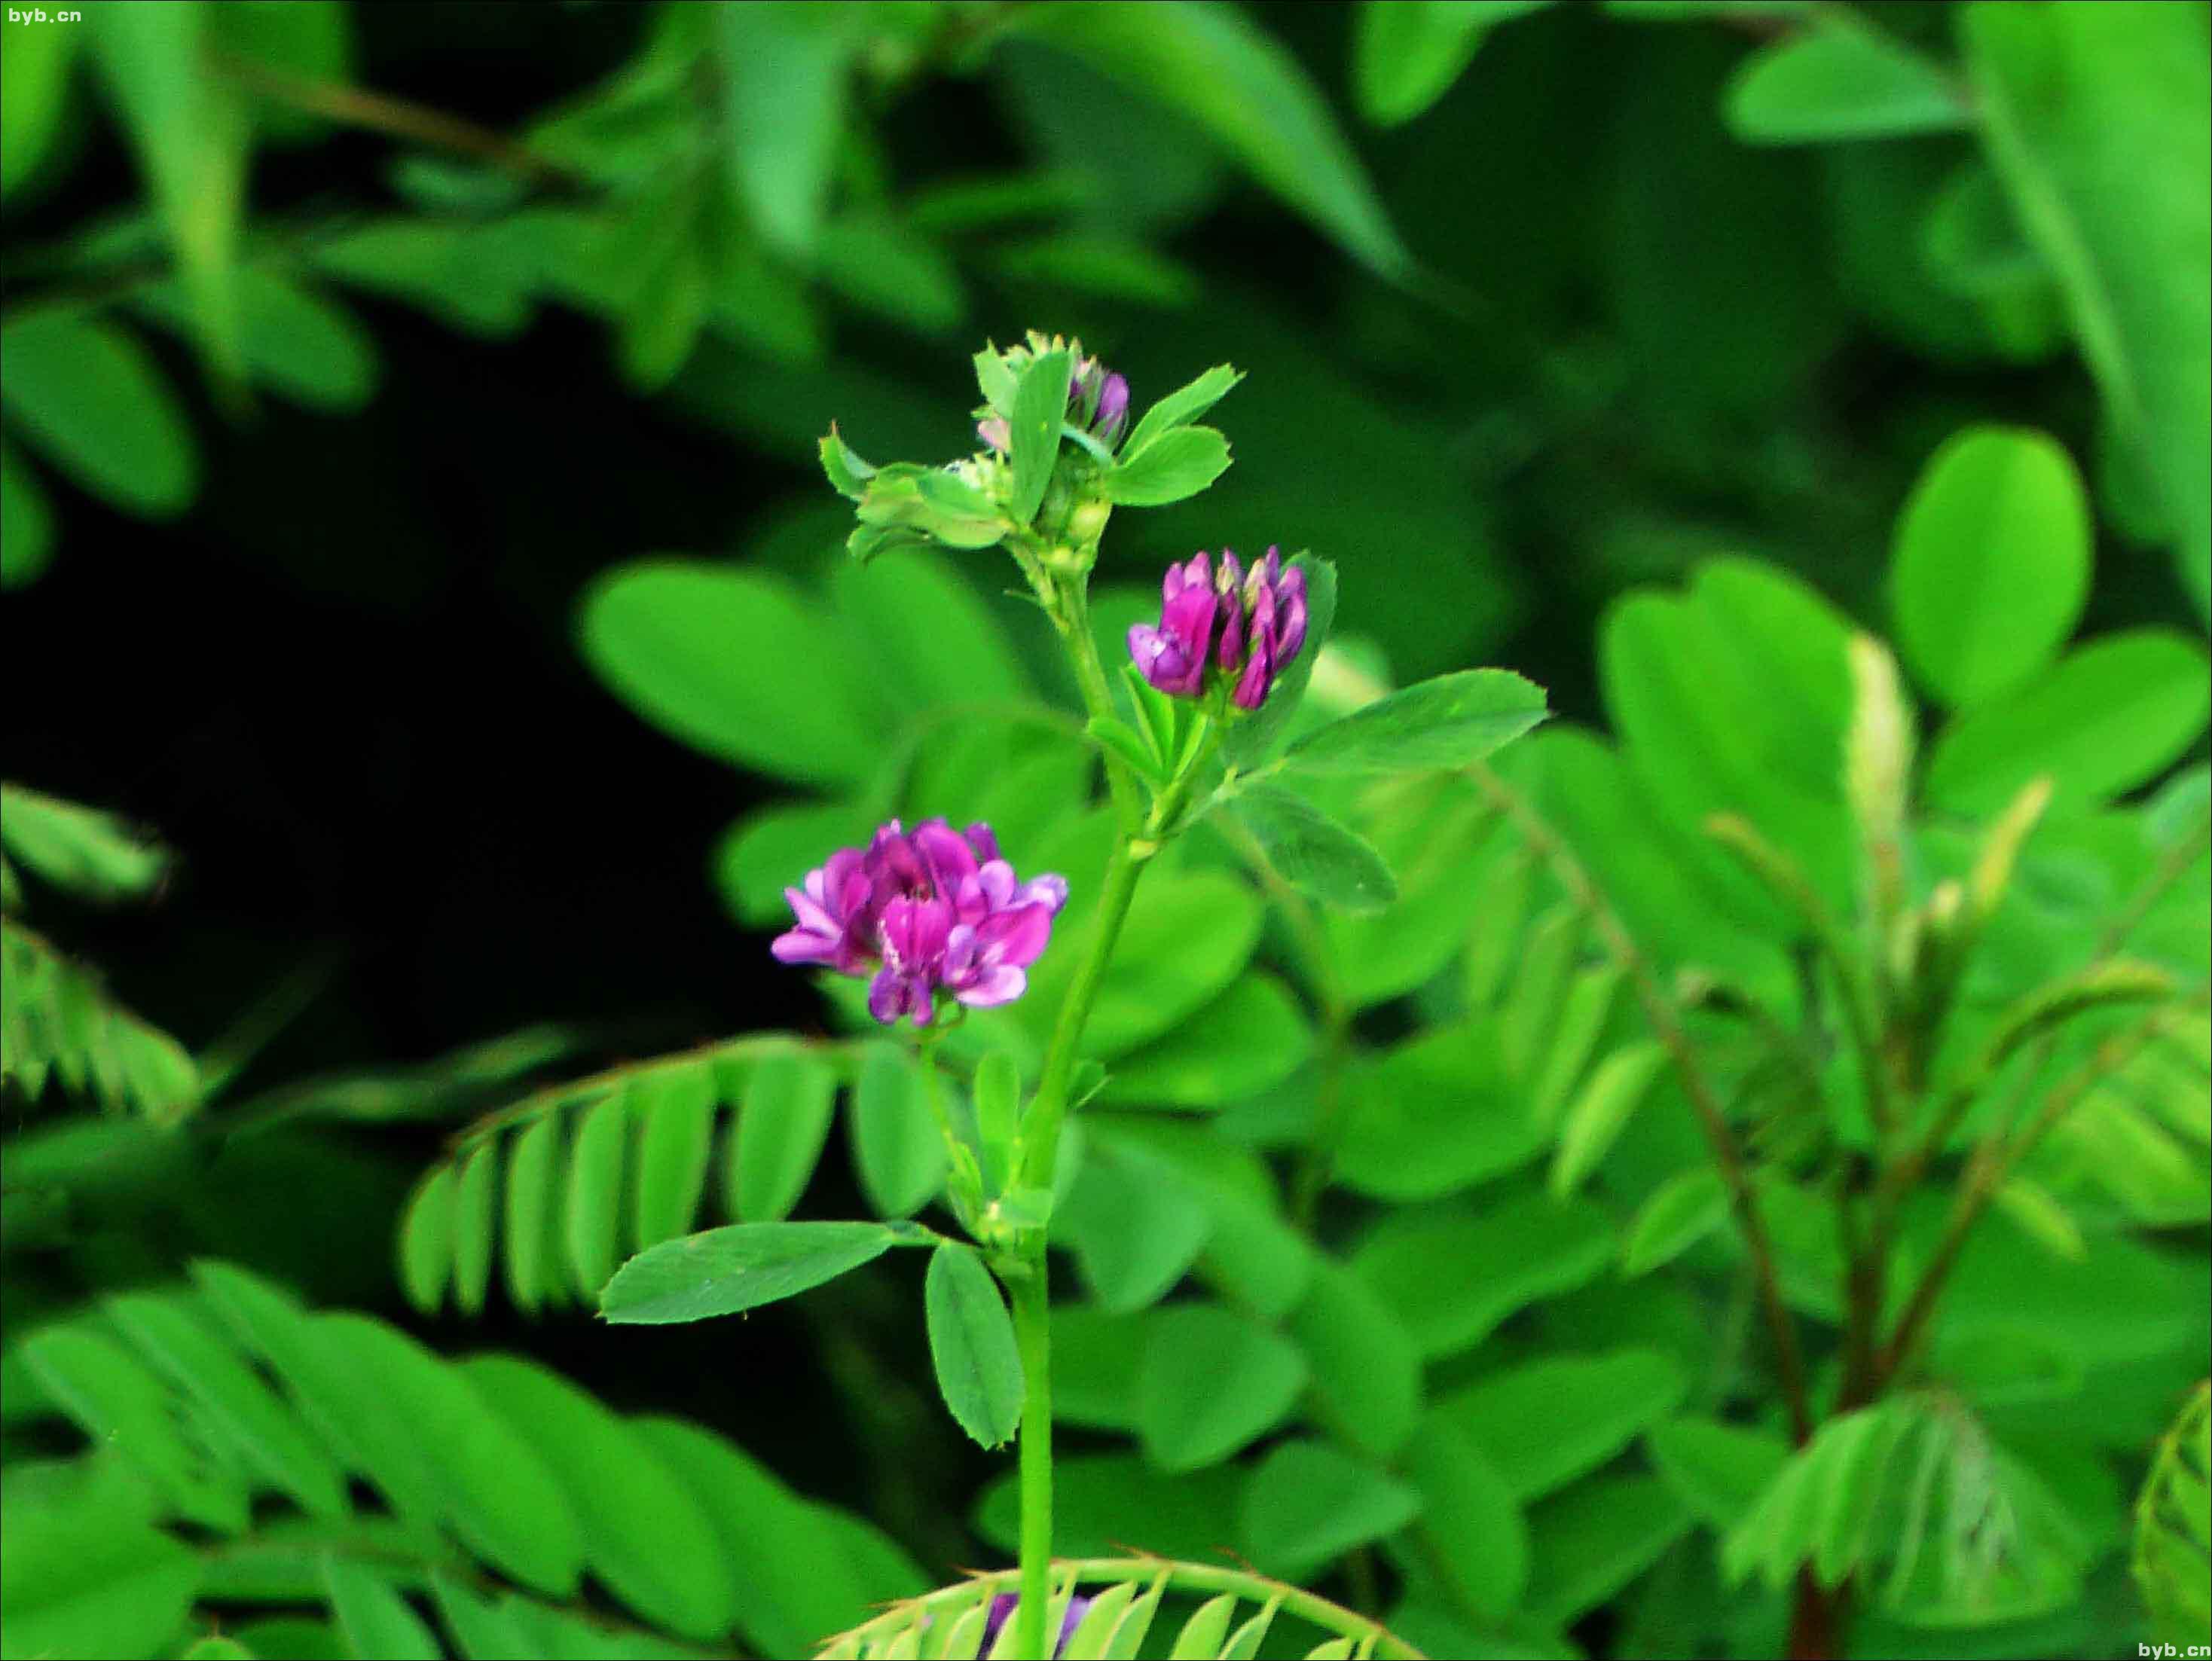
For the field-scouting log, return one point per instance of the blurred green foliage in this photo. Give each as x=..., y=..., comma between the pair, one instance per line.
x=1662, y=350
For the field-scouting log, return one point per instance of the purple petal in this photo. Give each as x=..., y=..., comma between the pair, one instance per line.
x=991, y=987
x=803, y=946
x=1230, y=654
x=888, y=994
x=1049, y=890
x=983, y=840
x=1017, y=937
x=1252, y=686
x=945, y=854
x=1113, y=409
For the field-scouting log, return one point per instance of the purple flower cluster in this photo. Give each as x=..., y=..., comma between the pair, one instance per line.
x=1247, y=625
x=1097, y=403
x=924, y=909
x=1002, y=1610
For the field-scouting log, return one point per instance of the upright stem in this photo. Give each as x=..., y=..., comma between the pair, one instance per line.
x=1033, y=1339
x=1041, y=1126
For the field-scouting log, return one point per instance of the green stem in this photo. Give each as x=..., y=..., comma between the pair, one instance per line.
x=1071, y=611
x=1033, y=1338
x=1041, y=1125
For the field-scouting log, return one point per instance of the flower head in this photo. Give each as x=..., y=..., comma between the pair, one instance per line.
x=1098, y=398
x=921, y=910
x=1245, y=626
x=1002, y=1610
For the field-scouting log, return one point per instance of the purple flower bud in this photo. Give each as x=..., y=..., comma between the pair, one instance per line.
x=1113, y=414
x=1002, y=1610
x=924, y=911
x=1248, y=626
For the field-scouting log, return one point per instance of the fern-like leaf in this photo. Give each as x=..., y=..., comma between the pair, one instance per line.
x=263, y=1429
x=91, y=854
x=2173, y=1529
x=1126, y=1596
x=57, y=1023
x=559, y=1189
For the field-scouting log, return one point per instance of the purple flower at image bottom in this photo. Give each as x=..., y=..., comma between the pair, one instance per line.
x=921, y=910
x=1247, y=626
x=1002, y=1610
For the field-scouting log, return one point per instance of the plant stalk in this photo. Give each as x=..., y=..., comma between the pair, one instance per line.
x=1033, y=1339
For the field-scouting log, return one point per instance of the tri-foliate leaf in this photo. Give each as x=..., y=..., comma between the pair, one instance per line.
x=1040, y=403
x=1176, y=464
x=1451, y=721
x=971, y=1343
x=1313, y=852
x=722, y=1271
x=1184, y=405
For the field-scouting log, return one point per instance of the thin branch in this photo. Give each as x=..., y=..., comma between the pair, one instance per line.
x=1994, y=1162
x=1665, y=1022
x=396, y=117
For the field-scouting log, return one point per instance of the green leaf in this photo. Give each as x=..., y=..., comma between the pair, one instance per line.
x=1251, y=740
x=33, y=93
x=773, y=848
x=1122, y=740
x=929, y=638
x=1210, y=1383
x=782, y=1124
x=190, y=129
x=217, y=1647
x=2097, y=121
x=94, y=855
x=1178, y=463
x=1313, y=852
x=476, y=1200
x=1546, y=1423
x=84, y=1570
x=1406, y=54
x=1366, y=1370
x=887, y=267
x=1242, y=86
x=782, y=69
x=1135, y=1226
x=1587, y=1543
x=1432, y=1115
x=1308, y=1503
x=426, y=1239
x=896, y=1146
x=1716, y=1469
x=1040, y=403
x=27, y=518
x=2105, y=718
x=1681, y=1211
x=674, y=1108
x=1184, y=405
x=733, y=664
x=848, y=474
x=1990, y=565
x=291, y=340
x=1451, y=1275
x=1599, y=1115
x=533, y=1176
x=725, y=1270
x=644, y=1537
x=592, y=1209
x=85, y=396
x=1247, y=1040
x=1451, y=721
x=1840, y=81
x=971, y=1343
x=377, y=1622
x=178, y=1341
x=1470, y=1516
